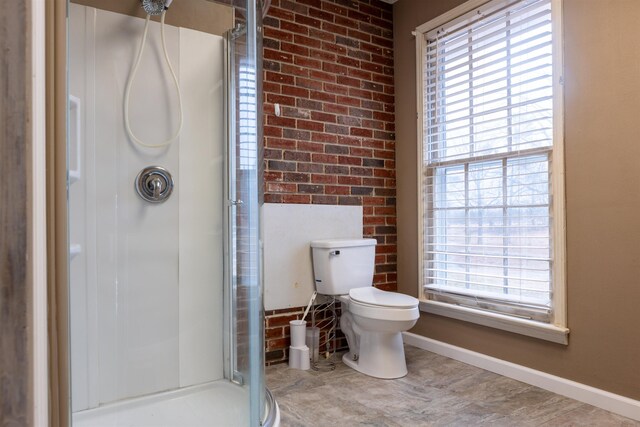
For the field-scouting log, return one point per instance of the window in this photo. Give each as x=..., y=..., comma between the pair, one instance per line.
x=247, y=110
x=491, y=164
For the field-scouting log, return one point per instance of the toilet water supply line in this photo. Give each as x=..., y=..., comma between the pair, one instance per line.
x=132, y=76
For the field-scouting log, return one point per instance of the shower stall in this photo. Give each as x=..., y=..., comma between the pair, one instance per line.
x=164, y=172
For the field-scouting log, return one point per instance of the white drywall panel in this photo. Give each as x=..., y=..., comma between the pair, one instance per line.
x=287, y=230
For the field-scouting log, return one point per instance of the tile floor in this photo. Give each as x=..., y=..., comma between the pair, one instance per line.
x=437, y=392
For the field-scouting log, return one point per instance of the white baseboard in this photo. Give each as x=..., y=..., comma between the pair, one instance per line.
x=593, y=396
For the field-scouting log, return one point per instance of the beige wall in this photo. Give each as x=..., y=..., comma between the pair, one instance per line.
x=201, y=15
x=602, y=147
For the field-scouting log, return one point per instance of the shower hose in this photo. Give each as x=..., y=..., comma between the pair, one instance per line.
x=132, y=77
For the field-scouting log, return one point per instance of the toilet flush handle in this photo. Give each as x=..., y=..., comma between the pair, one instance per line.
x=334, y=253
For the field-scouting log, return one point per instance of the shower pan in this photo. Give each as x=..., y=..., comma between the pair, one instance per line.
x=164, y=158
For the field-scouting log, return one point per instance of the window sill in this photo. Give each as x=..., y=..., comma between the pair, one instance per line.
x=516, y=325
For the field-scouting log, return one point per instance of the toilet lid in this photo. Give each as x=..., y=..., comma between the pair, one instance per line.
x=373, y=296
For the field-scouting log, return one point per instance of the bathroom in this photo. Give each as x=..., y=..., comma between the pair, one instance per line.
x=342, y=159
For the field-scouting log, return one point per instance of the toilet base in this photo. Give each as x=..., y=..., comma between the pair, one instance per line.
x=381, y=356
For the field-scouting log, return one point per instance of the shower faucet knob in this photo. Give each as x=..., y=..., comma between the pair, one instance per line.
x=154, y=184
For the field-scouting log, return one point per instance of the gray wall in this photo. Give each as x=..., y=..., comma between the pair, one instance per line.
x=602, y=105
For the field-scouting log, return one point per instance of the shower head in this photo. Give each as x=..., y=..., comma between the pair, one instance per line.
x=155, y=7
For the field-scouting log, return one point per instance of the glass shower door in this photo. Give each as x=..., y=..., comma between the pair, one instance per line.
x=245, y=346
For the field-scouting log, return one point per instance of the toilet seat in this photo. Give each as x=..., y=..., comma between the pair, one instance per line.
x=374, y=303
x=378, y=298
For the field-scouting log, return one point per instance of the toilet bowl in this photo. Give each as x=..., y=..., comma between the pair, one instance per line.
x=372, y=320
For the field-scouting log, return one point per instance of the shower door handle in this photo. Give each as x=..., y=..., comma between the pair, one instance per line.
x=236, y=202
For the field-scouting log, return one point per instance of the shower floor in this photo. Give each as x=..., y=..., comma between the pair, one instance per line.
x=218, y=403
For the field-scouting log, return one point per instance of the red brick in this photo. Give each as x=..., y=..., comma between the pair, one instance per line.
x=270, y=87
x=281, y=13
x=348, y=100
x=296, y=198
x=277, y=34
x=373, y=124
x=307, y=41
x=324, y=137
x=297, y=156
x=334, y=48
x=323, y=117
x=270, y=153
x=335, y=88
x=361, y=152
x=380, y=41
x=324, y=179
x=277, y=55
x=321, y=75
x=347, y=160
x=369, y=66
x=359, y=93
x=310, y=125
x=281, y=320
x=296, y=49
x=305, y=20
x=272, y=131
x=350, y=140
x=273, y=333
x=294, y=28
x=308, y=83
x=349, y=81
x=350, y=180
x=374, y=220
x=361, y=171
x=379, y=78
x=337, y=189
x=375, y=105
x=375, y=182
x=323, y=55
x=334, y=68
x=314, y=3
x=324, y=158
x=275, y=187
x=279, y=78
x=295, y=91
x=280, y=99
x=335, y=108
x=370, y=10
x=350, y=62
x=325, y=16
x=276, y=343
x=341, y=20
x=281, y=121
x=322, y=96
x=315, y=33
x=324, y=200
x=359, y=74
x=359, y=35
x=307, y=62
x=335, y=29
x=310, y=146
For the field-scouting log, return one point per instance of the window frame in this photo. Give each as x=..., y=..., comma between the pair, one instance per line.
x=556, y=330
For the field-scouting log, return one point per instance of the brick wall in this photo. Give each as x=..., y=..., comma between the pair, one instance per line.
x=328, y=65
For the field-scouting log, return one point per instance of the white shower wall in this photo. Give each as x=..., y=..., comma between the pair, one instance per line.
x=146, y=283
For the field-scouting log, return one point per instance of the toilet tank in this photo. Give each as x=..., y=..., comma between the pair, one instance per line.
x=340, y=265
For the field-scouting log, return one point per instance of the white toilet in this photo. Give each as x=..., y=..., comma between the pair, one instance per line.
x=372, y=320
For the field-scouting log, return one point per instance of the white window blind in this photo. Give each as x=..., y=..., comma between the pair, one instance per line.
x=488, y=141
